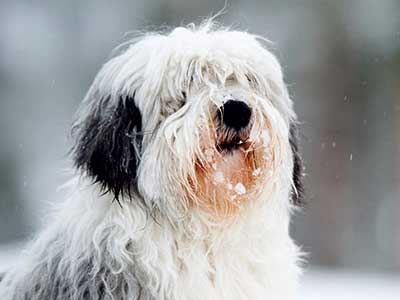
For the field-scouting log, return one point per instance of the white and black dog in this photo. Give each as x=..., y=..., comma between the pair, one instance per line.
x=188, y=171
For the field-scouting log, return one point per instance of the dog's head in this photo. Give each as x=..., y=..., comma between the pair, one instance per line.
x=197, y=119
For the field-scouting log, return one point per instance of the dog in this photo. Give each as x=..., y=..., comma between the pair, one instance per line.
x=187, y=173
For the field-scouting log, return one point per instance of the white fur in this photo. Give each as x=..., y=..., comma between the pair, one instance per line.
x=173, y=251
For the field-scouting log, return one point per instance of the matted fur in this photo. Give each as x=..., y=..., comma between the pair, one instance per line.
x=147, y=136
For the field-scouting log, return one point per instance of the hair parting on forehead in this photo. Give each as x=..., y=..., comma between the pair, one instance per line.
x=108, y=141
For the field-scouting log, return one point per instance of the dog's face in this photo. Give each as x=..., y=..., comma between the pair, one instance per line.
x=196, y=120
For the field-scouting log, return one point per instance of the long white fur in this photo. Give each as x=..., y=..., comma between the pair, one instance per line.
x=174, y=252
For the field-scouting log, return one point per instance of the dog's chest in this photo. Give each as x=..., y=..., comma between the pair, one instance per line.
x=240, y=268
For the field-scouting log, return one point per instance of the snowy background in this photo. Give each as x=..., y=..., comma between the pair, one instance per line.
x=342, y=63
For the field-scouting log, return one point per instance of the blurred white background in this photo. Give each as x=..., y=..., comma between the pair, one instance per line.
x=342, y=63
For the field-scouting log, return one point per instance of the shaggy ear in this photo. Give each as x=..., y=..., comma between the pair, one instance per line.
x=108, y=144
x=298, y=188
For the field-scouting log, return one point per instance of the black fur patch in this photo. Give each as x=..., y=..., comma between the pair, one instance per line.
x=107, y=145
x=298, y=189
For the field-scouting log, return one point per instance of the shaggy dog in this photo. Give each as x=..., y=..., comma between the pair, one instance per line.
x=188, y=171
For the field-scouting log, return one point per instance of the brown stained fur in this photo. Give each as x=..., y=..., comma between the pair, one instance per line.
x=219, y=197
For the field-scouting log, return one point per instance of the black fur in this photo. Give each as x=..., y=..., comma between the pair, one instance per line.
x=298, y=189
x=108, y=143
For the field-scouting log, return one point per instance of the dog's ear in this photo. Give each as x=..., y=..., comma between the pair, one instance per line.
x=297, y=196
x=108, y=144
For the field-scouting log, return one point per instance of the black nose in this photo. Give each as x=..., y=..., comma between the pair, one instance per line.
x=235, y=114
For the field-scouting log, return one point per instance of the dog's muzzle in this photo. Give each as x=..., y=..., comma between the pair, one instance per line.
x=235, y=123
